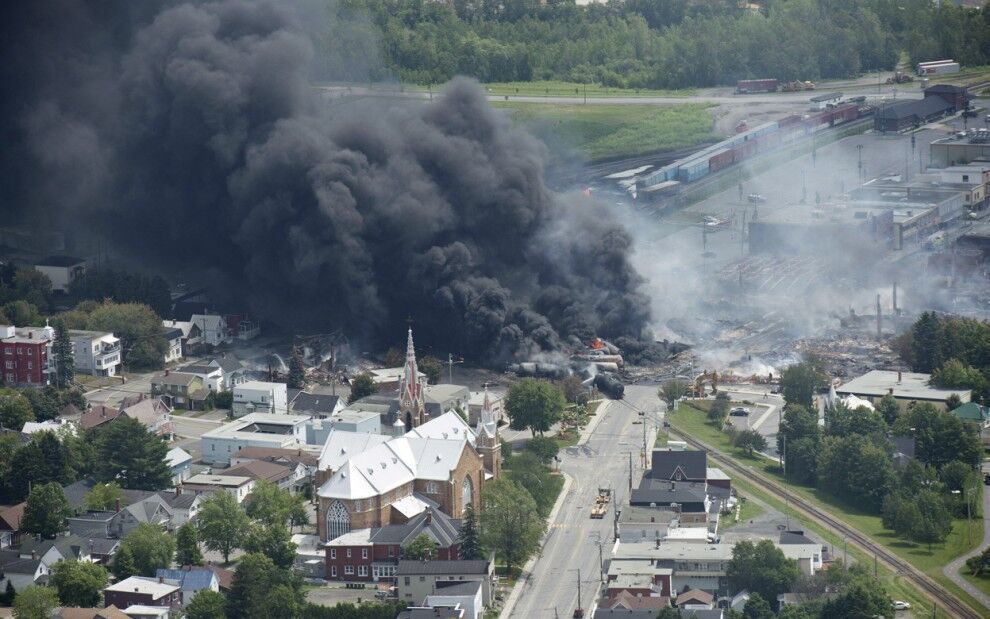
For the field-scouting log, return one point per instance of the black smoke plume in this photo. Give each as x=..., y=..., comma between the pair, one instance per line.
x=190, y=134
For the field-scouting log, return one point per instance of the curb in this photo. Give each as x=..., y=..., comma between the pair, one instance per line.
x=591, y=427
x=527, y=569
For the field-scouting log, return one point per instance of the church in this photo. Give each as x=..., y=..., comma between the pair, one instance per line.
x=369, y=481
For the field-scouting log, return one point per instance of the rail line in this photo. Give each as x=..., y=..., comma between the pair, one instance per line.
x=949, y=602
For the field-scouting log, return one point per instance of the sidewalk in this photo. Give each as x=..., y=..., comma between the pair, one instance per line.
x=952, y=569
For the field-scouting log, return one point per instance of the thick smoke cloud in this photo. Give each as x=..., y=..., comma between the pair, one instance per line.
x=192, y=135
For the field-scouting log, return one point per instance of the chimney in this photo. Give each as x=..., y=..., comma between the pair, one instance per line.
x=178, y=490
x=890, y=391
x=161, y=580
x=429, y=516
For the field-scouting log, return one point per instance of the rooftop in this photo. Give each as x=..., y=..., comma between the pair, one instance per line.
x=59, y=261
x=460, y=587
x=430, y=568
x=225, y=481
x=677, y=551
x=315, y=403
x=257, y=423
x=146, y=586
x=905, y=385
x=259, y=469
x=259, y=385
x=439, y=394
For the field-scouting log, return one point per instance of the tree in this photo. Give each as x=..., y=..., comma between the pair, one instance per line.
x=362, y=386
x=856, y=469
x=140, y=331
x=673, y=390
x=422, y=548
x=259, y=587
x=35, y=603
x=761, y=568
x=223, y=524
x=432, y=367
x=800, y=381
x=273, y=505
x=15, y=410
x=79, y=583
x=719, y=410
x=544, y=448
x=65, y=365
x=394, y=358
x=952, y=402
x=468, y=541
x=207, y=604
x=187, y=545
x=864, y=597
x=935, y=521
x=670, y=612
x=46, y=510
x=151, y=547
x=843, y=421
x=954, y=374
x=123, y=564
x=534, y=404
x=9, y=594
x=574, y=390
x=141, y=466
x=888, y=408
x=223, y=399
x=55, y=461
x=510, y=523
x=527, y=471
x=297, y=371
x=273, y=541
x=955, y=474
x=21, y=313
x=801, y=459
x=104, y=496
x=750, y=441
x=939, y=436
x=757, y=608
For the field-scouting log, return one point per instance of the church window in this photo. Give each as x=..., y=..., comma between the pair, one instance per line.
x=338, y=520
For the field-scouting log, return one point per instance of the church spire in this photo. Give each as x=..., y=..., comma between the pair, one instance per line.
x=411, y=388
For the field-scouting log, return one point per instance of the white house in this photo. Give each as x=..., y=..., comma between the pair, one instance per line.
x=255, y=396
x=173, y=337
x=179, y=461
x=253, y=430
x=238, y=486
x=95, y=352
x=213, y=328
x=61, y=270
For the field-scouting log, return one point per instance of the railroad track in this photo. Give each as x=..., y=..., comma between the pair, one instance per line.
x=953, y=605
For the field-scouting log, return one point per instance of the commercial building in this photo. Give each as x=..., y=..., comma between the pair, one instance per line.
x=793, y=229
x=418, y=579
x=255, y=396
x=940, y=100
x=823, y=101
x=95, y=352
x=906, y=387
x=442, y=398
x=138, y=590
x=253, y=430
x=239, y=486
x=61, y=270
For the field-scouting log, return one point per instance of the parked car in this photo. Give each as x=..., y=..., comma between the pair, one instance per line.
x=986, y=479
x=900, y=605
x=739, y=411
x=755, y=198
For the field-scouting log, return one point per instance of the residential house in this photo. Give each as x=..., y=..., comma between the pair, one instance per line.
x=466, y=595
x=102, y=549
x=97, y=415
x=417, y=579
x=173, y=338
x=178, y=388
x=978, y=417
x=219, y=445
x=695, y=599
x=10, y=525
x=242, y=327
x=259, y=470
x=625, y=613
x=213, y=328
x=625, y=600
x=432, y=612
x=238, y=486
x=21, y=572
x=224, y=576
x=61, y=270
x=255, y=396
x=179, y=461
x=374, y=554
x=639, y=577
x=302, y=462
x=192, y=336
x=184, y=507
x=234, y=373
x=26, y=355
x=152, y=510
x=32, y=562
x=58, y=427
x=110, y=612
x=211, y=375
x=138, y=590
x=94, y=523
x=95, y=352
x=153, y=413
x=310, y=558
x=191, y=580
x=317, y=405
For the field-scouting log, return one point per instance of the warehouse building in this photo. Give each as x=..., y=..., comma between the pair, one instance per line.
x=794, y=229
x=906, y=114
x=906, y=387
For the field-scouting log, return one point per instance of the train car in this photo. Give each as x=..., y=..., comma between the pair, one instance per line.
x=693, y=169
x=844, y=114
x=761, y=85
x=721, y=159
x=789, y=121
x=609, y=385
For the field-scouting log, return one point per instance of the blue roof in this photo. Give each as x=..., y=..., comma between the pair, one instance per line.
x=192, y=579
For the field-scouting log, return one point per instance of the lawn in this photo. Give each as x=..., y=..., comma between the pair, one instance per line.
x=747, y=511
x=602, y=131
x=573, y=89
x=690, y=418
x=981, y=582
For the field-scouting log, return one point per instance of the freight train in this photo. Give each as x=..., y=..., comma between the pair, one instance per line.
x=743, y=145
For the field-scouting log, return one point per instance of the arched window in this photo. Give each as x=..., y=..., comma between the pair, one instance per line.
x=338, y=520
x=467, y=493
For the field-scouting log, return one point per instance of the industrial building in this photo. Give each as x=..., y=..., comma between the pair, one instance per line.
x=794, y=229
x=940, y=100
x=906, y=387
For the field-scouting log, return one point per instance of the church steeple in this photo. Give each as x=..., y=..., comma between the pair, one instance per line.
x=487, y=439
x=411, y=403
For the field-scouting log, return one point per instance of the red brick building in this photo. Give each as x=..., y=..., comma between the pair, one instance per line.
x=25, y=355
x=373, y=554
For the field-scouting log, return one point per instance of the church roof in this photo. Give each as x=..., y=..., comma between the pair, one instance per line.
x=341, y=446
x=448, y=426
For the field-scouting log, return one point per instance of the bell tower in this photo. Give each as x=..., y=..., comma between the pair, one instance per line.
x=487, y=441
x=412, y=407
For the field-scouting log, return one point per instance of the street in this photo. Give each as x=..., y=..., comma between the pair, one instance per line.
x=575, y=541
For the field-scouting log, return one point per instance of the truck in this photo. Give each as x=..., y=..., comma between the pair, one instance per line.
x=900, y=77
x=601, y=503
x=744, y=87
x=938, y=67
x=797, y=86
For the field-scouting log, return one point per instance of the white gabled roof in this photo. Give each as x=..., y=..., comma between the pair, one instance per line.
x=435, y=459
x=448, y=426
x=341, y=446
x=176, y=456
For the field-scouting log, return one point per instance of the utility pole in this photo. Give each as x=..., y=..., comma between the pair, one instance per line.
x=601, y=563
x=859, y=147
x=579, y=589
x=630, y=471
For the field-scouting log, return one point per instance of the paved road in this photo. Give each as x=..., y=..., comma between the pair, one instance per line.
x=952, y=569
x=572, y=542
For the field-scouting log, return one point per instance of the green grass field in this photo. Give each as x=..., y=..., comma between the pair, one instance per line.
x=690, y=418
x=601, y=131
x=573, y=89
x=747, y=511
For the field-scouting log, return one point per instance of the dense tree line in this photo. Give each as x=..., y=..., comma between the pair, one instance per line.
x=122, y=287
x=645, y=43
x=956, y=351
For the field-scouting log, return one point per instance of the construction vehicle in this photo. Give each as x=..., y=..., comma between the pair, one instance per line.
x=900, y=77
x=797, y=86
x=601, y=503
